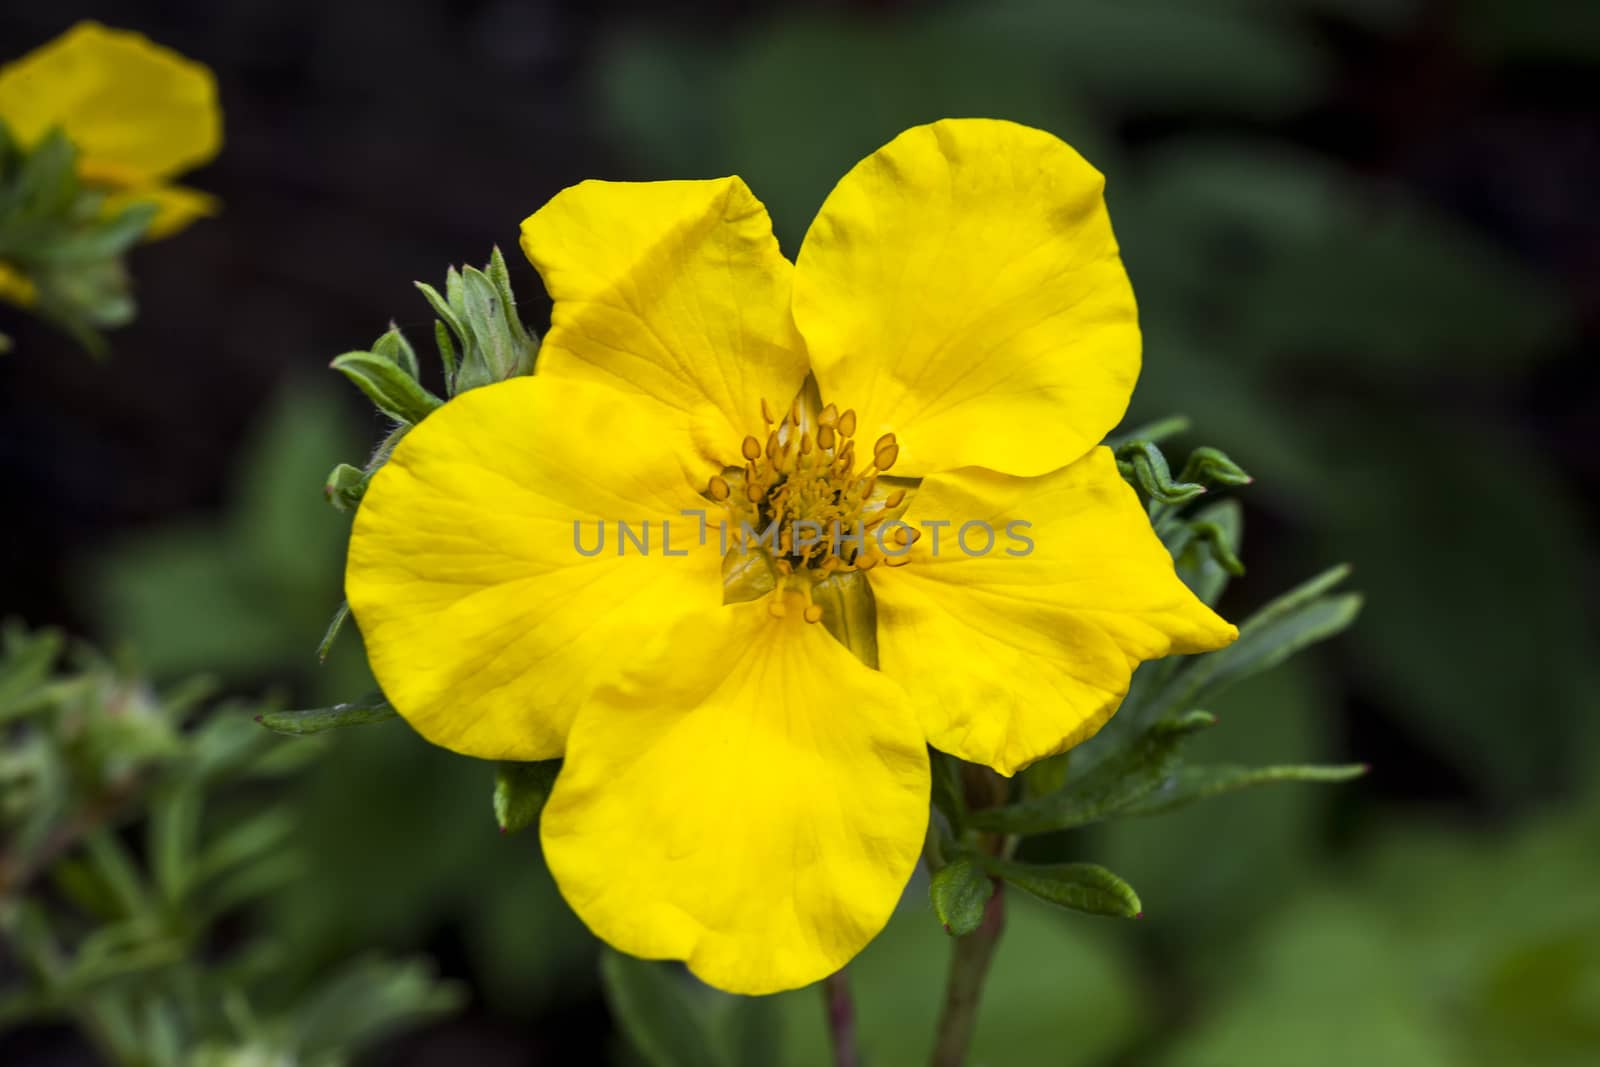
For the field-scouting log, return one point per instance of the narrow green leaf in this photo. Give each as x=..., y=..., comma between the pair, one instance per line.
x=1214, y=467
x=447, y=355
x=1190, y=784
x=1083, y=887
x=654, y=1008
x=441, y=307
x=948, y=795
x=959, y=891
x=174, y=831
x=394, y=391
x=1154, y=432
x=1298, y=619
x=1143, y=463
x=109, y=858
x=1213, y=536
x=369, y=709
x=748, y=1030
x=1108, y=787
x=484, y=315
x=520, y=790
x=335, y=627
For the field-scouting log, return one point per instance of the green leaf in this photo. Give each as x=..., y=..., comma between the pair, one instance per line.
x=520, y=790
x=369, y=709
x=1189, y=784
x=394, y=391
x=959, y=891
x=335, y=625
x=1143, y=464
x=1108, y=787
x=174, y=831
x=1213, y=466
x=1081, y=887
x=748, y=1030
x=1294, y=621
x=653, y=1005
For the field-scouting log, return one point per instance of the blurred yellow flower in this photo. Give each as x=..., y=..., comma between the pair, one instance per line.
x=139, y=115
x=17, y=288
x=740, y=791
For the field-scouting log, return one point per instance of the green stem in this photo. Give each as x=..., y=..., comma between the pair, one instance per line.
x=969, y=967
x=841, y=1016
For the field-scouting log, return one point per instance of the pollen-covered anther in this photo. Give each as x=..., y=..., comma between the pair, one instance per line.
x=803, y=496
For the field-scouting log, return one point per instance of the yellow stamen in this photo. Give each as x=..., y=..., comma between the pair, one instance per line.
x=751, y=449
x=883, y=458
x=814, y=613
x=718, y=488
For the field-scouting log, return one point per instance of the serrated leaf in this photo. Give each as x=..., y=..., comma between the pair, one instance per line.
x=1083, y=887
x=394, y=391
x=1190, y=784
x=1110, y=786
x=520, y=790
x=654, y=1008
x=959, y=891
x=369, y=709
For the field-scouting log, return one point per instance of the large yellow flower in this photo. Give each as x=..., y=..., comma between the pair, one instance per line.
x=740, y=791
x=139, y=115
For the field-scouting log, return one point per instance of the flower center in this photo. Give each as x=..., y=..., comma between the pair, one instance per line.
x=803, y=500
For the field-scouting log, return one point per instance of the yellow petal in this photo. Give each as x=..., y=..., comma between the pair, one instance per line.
x=17, y=288
x=177, y=205
x=961, y=287
x=484, y=623
x=138, y=112
x=751, y=800
x=673, y=290
x=1012, y=657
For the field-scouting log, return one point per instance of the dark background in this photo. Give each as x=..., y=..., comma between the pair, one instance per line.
x=1366, y=243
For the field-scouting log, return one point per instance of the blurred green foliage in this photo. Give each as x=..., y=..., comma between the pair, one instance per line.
x=133, y=828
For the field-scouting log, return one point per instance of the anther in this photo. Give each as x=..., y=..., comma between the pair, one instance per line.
x=895, y=498
x=883, y=442
x=828, y=416
x=772, y=443
x=814, y=613
x=805, y=444
x=766, y=412
x=824, y=436
x=906, y=535
x=847, y=422
x=883, y=457
x=719, y=488
x=751, y=448
x=752, y=492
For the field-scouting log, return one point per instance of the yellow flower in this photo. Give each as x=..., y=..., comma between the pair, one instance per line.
x=139, y=115
x=740, y=791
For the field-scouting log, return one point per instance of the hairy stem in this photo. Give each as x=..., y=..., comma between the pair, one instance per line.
x=969, y=967
x=841, y=1015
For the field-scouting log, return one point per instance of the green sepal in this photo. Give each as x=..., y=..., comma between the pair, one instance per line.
x=395, y=392
x=1108, y=788
x=394, y=346
x=1084, y=887
x=369, y=709
x=949, y=796
x=850, y=613
x=345, y=486
x=1190, y=784
x=959, y=891
x=654, y=1006
x=520, y=790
